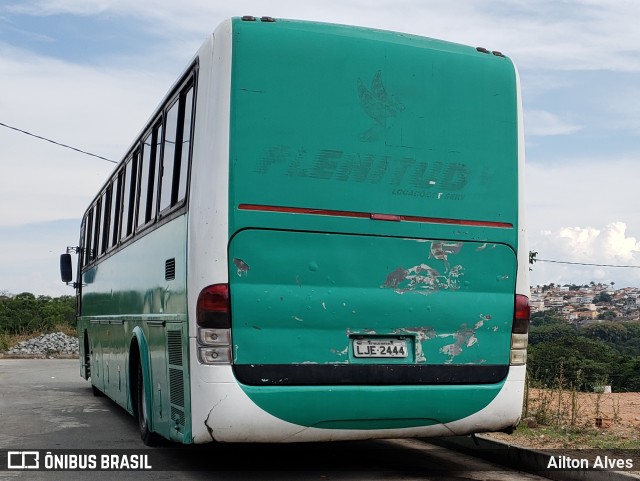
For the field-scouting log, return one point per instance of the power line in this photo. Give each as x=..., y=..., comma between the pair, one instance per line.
x=57, y=143
x=586, y=264
x=114, y=162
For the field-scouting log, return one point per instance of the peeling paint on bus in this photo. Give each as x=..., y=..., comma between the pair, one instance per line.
x=242, y=266
x=465, y=338
x=420, y=334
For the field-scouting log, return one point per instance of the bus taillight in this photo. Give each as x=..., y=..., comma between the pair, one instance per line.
x=214, y=326
x=521, y=315
x=212, y=309
x=520, y=330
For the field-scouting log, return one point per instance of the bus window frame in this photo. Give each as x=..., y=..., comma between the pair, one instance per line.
x=151, y=203
x=190, y=87
x=132, y=206
x=178, y=166
x=97, y=216
x=107, y=205
x=88, y=237
x=116, y=214
x=187, y=82
x=174, y=102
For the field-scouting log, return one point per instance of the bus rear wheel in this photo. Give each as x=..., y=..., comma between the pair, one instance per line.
x=148, y=437
x=96, y=392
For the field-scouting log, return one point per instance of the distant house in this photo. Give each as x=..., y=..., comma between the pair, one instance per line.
x=583, y=315
x=537, y=305
x=581, y=299
x=557, y=301
x=633, y=315
x=577, y=306
x=567, y=310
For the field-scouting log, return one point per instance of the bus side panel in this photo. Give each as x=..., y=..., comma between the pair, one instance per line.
x=149, y=297
x=95, y=337
x=115, y=361
x=208, y=228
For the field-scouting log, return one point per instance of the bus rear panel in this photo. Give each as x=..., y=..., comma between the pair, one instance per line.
x=375, y=241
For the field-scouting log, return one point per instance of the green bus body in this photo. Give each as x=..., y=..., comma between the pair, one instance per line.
x=357, y=195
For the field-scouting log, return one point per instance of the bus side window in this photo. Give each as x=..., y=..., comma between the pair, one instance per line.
x=177, y=146
x=169, y=156
x=147, y=166
x=157, y=155
x=128, y=197
x=95, y=243
x=88, y=235
x=116, y=200
x=186, y=144
x=106, y=218
x=83, y=243
x=149, y=176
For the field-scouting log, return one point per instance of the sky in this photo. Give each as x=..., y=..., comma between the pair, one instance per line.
x=69, y=69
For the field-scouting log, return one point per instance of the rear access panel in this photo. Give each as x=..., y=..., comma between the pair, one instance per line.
x=337, y=309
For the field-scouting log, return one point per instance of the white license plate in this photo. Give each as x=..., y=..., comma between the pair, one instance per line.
x=380, y=348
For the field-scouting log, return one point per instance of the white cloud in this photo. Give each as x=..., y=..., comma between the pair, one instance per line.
x=606, y=247
x=538, y=34
x=582, y=192
x=584, y=211
x=30, y=257
x=624, y=108
x=539, y=123
x=588, y=244
x=96, y=110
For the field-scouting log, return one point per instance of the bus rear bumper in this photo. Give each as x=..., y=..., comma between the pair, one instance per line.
x=225, y=411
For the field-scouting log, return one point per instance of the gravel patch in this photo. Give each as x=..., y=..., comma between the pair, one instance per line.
x=57, y=343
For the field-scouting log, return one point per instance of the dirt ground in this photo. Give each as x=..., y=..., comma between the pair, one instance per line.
x=583, y=416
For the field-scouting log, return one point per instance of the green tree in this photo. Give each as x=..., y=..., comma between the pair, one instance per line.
x=544, y=318
x=633, y=329
x=630, y=347
x=627, y=376
x=550, y=332
x=581, y=362
x=610, y=332
x=26, y=313
x=627, y=342
x=607, y=315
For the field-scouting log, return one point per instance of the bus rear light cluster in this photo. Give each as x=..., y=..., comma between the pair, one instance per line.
x=520, y=331
x=212, y=308
x=214, y=325
x=214, y=355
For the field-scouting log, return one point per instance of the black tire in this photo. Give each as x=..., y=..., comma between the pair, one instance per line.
x=149, y=438
x=87, y=366
x=96, y=392
x=87, y=356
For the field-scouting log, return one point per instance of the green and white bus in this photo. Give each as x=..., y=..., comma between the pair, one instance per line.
x=318, y=235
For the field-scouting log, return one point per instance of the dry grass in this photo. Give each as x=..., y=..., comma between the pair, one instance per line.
x=564, y=419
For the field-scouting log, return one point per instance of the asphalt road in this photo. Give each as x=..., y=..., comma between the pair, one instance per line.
x=45, y=406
